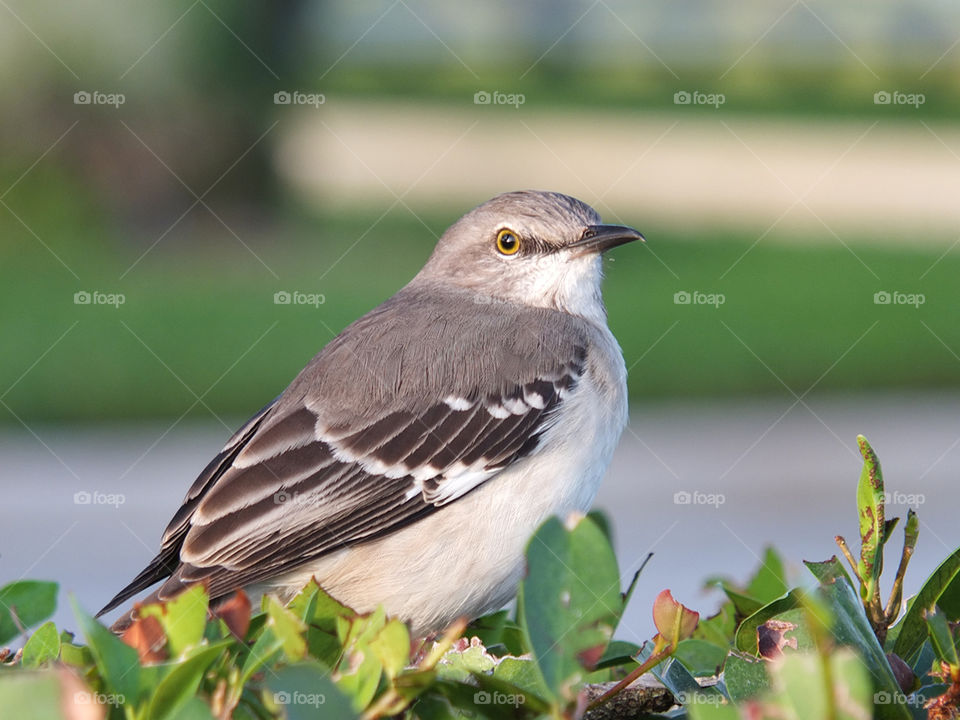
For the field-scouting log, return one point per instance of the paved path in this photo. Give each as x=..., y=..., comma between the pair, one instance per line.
x=895, y=179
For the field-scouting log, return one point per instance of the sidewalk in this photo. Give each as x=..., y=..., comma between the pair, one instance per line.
x=895, y=178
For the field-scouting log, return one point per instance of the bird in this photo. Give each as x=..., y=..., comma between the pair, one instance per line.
x=412, y=459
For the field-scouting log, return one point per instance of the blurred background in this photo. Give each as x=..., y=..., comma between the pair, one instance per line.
x=196, y=197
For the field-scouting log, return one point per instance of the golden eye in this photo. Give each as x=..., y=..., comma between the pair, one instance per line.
x=507, y=242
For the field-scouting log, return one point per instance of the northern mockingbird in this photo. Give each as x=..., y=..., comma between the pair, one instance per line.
x=411, y=460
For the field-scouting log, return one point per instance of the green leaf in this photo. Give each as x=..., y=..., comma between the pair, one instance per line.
x=32, y=696
x=721, y=628
x=619, y=652
x=746, y=638
x=31, y=601
x=42, y=647
x=870, y=506
x=569, y=601
x=682, y=683
x=460, y=665
x=851, y=627
x=802, y=683
x=195, y=709
x=829, y=569
x=944, y=643
x=470, y=701
x=744, y=604
x=263, y=651
x=118, y=663
x=745, y=676
x=287, y=628
x=392, y=646
x=360, y=670
x=770, y=582
x=183, y=618
x=497, y=629
x=942, y=585
x=181, y=681
x=701, y=658
x=304, y=691
x=712, y=711
x=304, y=603
x=521, y=674
x=77, y=655
x=497, y=695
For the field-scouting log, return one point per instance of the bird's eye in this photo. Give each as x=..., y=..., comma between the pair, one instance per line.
x=507, y=242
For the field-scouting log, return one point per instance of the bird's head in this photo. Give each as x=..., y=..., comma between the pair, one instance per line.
x=530, y=247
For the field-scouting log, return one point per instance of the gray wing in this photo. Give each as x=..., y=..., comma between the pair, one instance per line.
x=327, y=466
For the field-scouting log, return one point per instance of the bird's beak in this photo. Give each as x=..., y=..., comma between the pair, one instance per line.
x=600, y=238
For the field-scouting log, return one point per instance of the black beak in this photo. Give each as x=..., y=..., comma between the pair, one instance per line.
x=600, y=238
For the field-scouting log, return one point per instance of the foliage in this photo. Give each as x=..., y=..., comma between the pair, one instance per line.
x=826, y=651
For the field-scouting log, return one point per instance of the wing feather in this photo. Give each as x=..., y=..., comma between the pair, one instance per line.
x=299, y=481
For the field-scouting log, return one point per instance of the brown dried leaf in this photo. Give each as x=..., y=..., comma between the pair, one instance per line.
x=146, y=636
x=235, y=613
x=771, y=638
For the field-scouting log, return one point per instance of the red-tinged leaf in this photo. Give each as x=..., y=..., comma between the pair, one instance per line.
x=589, y=657
x=772, y=638
x=674, y=622
x=235, y=614
x=146, y=636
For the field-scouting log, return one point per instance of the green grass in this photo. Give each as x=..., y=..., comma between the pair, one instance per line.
x=798, y=312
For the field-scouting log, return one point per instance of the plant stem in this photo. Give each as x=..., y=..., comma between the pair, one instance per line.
x=650, y=662
x=842, y=544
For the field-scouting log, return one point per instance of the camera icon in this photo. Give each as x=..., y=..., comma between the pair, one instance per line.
x=881, y=97
x=682, y=97
x=281, y=497
x=281, y=297
x=681, y=297
x=82, y=498
x=81, y=698
x=481, y=697
x=281, y=98
x=81, y=297
x=481, y=97
x=881, y=297
x=281, y=698
x=82, y=97
x=882, y=698
x=682, y=498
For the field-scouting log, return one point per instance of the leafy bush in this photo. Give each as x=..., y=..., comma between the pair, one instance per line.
x=832, y=651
